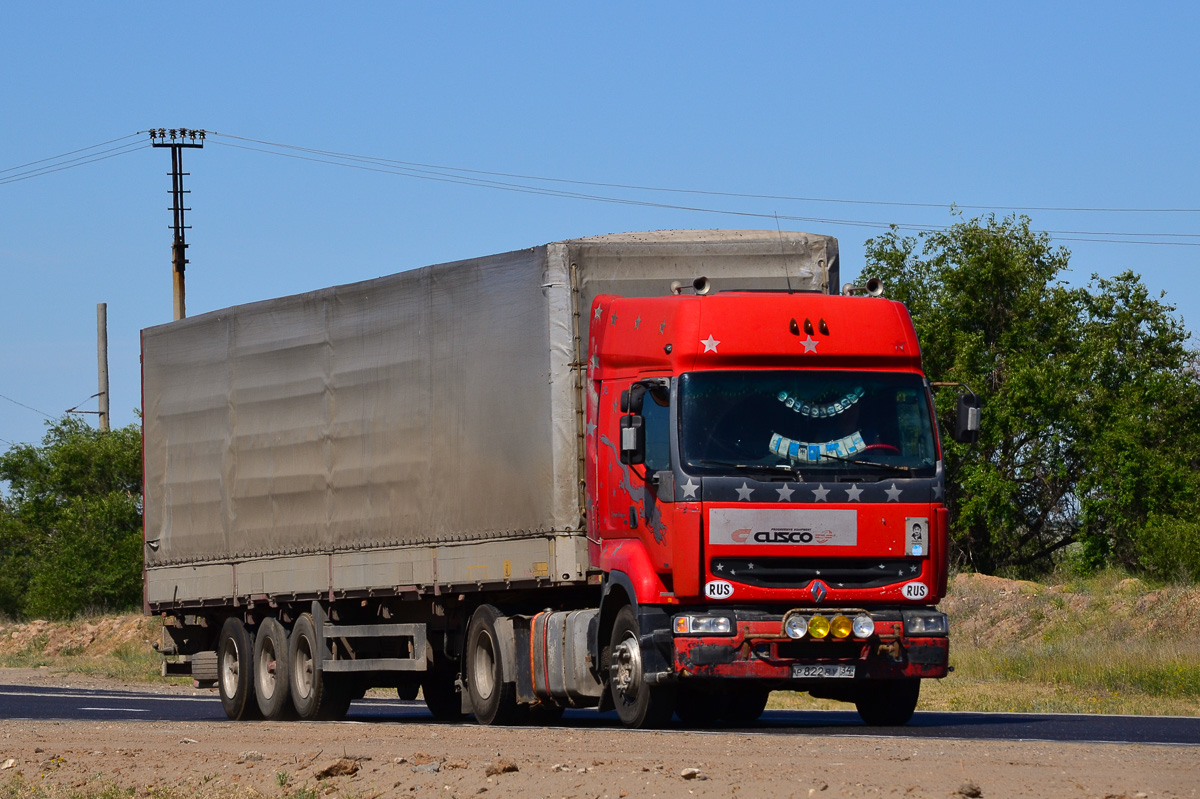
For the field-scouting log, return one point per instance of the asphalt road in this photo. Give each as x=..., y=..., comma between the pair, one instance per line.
x=31, y=702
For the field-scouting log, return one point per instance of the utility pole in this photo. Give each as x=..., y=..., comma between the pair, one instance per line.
x=102, y=362
x=178, y=139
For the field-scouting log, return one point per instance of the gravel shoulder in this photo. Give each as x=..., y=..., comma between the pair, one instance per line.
x=426, y=759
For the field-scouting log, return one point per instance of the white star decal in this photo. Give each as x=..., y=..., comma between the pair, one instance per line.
x=599, y=311
x=937, y=490
x=785, y=493
x=820, y=492
x=637, y=322
x=810, y=344
x=710, y=343
x=744, y=492
x=853, y=493
x=689, y=489
x=893, y=494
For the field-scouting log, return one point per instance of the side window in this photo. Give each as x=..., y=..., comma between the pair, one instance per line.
x=656, y=411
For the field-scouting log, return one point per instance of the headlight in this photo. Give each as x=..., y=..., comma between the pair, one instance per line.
x=703, y=625
x=840, y=627
x=864, y=626
x=818, y=626
x=795, y=626
x=925, y=622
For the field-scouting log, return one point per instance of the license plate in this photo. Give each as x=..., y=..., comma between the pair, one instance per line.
x=820, y=672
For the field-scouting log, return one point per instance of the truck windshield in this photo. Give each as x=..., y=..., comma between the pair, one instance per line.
x=828, y=422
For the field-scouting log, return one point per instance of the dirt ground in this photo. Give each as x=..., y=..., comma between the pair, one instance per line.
x=425, y=759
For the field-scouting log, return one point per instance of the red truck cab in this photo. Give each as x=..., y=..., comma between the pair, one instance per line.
x=765, y=498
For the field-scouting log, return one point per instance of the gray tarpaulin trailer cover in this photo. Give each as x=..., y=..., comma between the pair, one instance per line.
x=420, y=429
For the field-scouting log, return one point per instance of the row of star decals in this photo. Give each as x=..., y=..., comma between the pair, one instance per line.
x=710, y=344
x=820, y=493
x=913, y=569
x=637, y=323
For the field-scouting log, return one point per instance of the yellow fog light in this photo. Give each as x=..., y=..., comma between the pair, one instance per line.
x=841, y=627
x=818, y=626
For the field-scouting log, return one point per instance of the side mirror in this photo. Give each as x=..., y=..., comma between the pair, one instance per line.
x=632, y=398
x=633, y=440
x=966, y=422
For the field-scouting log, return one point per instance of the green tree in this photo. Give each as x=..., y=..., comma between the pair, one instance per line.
x=1089, y=396
x=71, y=522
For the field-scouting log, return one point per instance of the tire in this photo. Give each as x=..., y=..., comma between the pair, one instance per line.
x=408, y=690
x=697, y=707
x=745, y=703
x=888, y=703
x=235, y=671
x=314, y=695
x=638, y=704
x=440, y=692
x=492, y=700
x=271, y=673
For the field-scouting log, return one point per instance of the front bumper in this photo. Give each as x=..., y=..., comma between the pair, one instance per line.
x=759, y=650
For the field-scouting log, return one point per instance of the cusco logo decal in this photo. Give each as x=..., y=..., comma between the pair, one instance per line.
x=767, y=526
x=718, y=589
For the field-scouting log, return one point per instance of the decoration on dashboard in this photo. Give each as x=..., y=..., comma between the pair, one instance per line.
x=805, y=452
x=822, y=410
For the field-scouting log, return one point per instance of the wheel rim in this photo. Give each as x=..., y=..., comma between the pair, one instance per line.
x=266, y=670
x=483, y=666
x=302, y=669
x=626, y=669
x=230, y=668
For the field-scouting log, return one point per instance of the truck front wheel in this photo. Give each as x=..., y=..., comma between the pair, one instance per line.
x=888, y=703
x=493, y=700
x=639, y=704
x=235, y=671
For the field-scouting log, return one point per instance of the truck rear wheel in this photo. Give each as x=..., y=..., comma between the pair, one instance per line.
x=888, y=703
x=314, y=695
x=638, y=703
x=492, y=700
x=271, y=673
x=235, y=671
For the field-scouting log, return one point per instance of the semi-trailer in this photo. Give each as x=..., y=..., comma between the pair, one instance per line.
x=663, y=473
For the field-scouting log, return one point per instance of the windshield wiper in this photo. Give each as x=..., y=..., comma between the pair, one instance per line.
x=762, y=468
x=889, y=466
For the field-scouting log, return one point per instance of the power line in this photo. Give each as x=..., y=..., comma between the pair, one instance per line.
x=28, y=407
x=72, y=152
x=59, y=166
x=785, y=198
x=451, y=175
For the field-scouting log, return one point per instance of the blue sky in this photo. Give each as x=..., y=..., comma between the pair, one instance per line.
x=1079, y=105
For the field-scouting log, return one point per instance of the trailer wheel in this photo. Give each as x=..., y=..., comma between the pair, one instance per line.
x=638, y=703
x=271, y=673
x=888, y=703
x=493, y=700
x=235, y=671
x=314, y=695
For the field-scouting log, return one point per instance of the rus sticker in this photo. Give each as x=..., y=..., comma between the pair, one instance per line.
x=718, y=589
